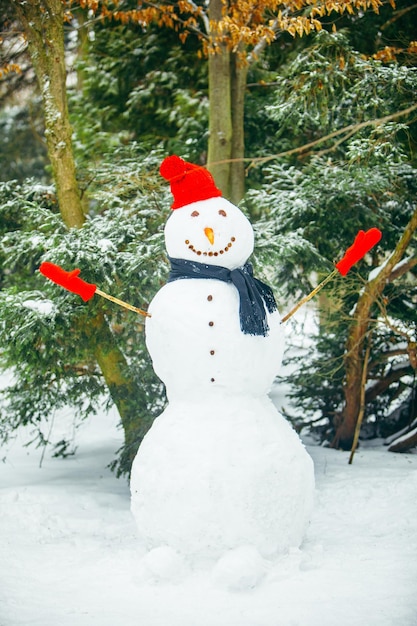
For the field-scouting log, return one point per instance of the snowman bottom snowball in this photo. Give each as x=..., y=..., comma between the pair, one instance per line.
x=212, y=477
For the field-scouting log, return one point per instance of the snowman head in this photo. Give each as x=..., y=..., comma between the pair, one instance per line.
x=204, y=227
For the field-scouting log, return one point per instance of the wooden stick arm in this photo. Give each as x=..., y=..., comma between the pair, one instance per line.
x=126, y=305
x=72, y=282
x=364, y=242
x=309, y=296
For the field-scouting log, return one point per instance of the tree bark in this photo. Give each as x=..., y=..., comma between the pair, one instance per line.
x=220, y=108
x=43, y=22
x=345, y=421
x=362, y=403
x=227, y=84
x=239, y=73
x=124, y=392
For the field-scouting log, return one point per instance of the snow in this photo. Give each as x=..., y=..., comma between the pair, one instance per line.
x=407, y=430
x=43, y=307
x=407, y=435
x=374, y=273
x=70, y=553
x=105, y=244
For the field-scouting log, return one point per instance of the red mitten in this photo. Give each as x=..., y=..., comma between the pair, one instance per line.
x=364, y=241
x=68, y=280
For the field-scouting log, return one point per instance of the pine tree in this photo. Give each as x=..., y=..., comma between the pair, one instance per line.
x=358, y=175
x=50, y=338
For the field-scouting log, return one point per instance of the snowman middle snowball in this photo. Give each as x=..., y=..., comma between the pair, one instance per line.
x=194, y=334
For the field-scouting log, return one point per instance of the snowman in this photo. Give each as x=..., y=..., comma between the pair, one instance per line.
x=220, y=472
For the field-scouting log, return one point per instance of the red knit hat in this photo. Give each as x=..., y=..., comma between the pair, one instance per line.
x=189, y=183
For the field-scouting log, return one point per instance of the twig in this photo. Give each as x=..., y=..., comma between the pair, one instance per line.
x=352, y=128
x=47, y=439
x=397, y=15
x=362, y=401
x=126, y=305
x=310, y=295
x=334, y=146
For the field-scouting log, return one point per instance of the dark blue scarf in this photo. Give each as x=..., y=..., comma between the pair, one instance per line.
x=254, y=295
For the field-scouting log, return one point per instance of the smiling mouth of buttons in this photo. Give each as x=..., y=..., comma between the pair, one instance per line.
x=210, y=253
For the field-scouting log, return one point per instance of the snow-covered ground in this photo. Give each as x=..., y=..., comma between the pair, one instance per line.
x=69, y=554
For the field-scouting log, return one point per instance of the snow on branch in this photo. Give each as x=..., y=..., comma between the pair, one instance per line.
x=406, y=440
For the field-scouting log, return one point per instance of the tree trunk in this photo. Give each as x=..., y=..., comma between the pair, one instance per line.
x=124, y=392
x=345, y=422
x=43, y=23
x=220, y=108
x=227, y=84
x=239, y=73
x=226, y=149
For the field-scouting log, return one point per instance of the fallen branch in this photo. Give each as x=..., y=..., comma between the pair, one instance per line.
x=404, y=443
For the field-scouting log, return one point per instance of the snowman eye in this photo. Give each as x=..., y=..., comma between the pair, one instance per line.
x=195, y=214
x=221, y=212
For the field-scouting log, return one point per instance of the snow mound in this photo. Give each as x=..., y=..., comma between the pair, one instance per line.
x=70, y=552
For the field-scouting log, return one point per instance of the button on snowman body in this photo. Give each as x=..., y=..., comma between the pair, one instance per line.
x=220, y=468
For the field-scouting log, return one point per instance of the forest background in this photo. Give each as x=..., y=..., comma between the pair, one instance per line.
x=305, y=113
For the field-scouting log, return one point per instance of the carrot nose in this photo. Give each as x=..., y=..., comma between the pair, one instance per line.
x=209, y=233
